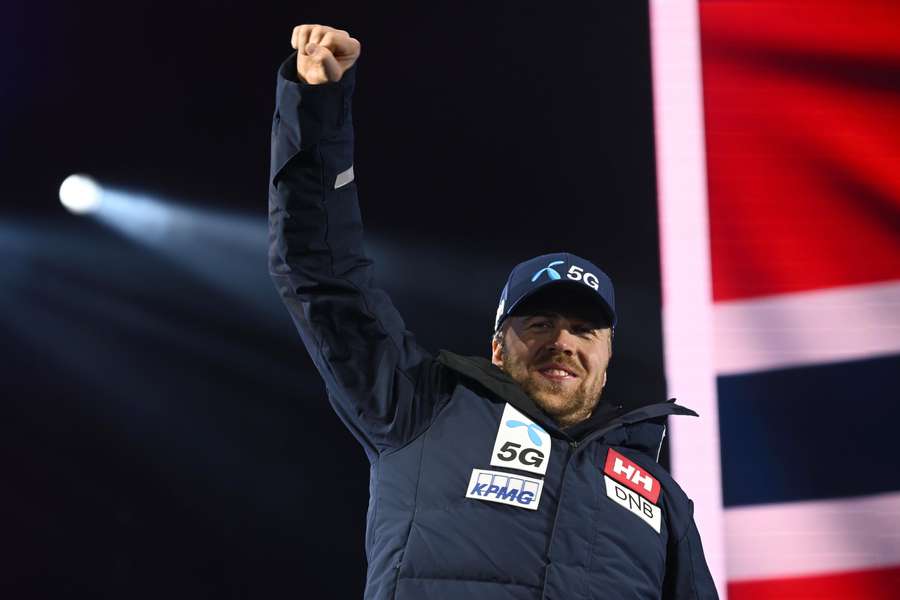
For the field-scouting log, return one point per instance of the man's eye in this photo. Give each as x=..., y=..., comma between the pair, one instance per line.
x=540, y=324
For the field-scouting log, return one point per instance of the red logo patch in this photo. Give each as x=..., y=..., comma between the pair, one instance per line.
x=631, y=475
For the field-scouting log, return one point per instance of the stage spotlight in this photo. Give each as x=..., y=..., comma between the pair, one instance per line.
x=80, y=194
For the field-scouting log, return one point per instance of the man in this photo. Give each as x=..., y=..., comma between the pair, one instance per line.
x=501, y=478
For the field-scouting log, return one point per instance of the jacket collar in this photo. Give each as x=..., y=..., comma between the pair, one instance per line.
x=491, y=377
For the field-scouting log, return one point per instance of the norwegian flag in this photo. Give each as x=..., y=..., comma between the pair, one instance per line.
x=778, y=160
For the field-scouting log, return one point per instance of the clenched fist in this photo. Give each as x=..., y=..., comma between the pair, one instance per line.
x=323, y=53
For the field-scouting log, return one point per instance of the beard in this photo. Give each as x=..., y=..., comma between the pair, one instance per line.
x=565, y=403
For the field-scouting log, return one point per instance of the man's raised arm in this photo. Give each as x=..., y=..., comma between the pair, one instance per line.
x=379, y=380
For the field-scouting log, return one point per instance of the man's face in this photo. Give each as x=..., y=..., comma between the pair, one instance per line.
x=558, y=352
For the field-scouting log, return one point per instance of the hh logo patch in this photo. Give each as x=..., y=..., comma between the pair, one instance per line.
x=521, y=443
x=634, y=502
x=505, y=488
x=631, y=475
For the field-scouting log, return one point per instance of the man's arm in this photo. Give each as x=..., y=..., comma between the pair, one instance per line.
x=378, y=378
x=687, y=575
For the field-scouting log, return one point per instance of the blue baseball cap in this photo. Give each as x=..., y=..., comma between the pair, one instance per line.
x=556, y=271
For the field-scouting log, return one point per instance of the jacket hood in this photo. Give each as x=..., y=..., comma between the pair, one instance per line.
x=651, y=418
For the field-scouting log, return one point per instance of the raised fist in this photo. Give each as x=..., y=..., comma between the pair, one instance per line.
x=323, y=53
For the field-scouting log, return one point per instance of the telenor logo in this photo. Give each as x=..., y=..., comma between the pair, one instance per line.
x=503, y=488
x=552, y=273
x=533, y=431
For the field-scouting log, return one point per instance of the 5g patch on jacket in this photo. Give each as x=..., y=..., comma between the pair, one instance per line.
x=632, y=488
x=523, y=445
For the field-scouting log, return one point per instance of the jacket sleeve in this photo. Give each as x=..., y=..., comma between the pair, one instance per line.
x=379, y=381
x=687, y=575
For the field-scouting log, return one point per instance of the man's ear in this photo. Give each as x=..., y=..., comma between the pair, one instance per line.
x=496, y=351
x=604, y=380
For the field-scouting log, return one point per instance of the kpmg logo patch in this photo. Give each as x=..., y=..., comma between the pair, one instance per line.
x=552, y=273
x=505, y=488
x=521, y=443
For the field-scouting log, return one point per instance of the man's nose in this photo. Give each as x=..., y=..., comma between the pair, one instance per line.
x=562, y=340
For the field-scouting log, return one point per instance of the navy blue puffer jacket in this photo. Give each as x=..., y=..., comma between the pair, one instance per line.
x=475, y=493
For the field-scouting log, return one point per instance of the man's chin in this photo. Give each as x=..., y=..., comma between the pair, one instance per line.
x=550, y=403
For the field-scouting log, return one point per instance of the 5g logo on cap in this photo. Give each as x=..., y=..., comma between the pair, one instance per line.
x=550, y=269
x=578, y=274
x=575, y=273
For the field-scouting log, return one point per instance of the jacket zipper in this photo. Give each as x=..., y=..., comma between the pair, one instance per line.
x=575, y=446
x=397, y=578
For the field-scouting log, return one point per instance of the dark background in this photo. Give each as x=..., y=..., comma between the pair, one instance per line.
x=161, y=438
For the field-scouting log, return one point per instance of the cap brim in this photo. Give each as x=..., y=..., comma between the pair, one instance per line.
x=565, y=297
